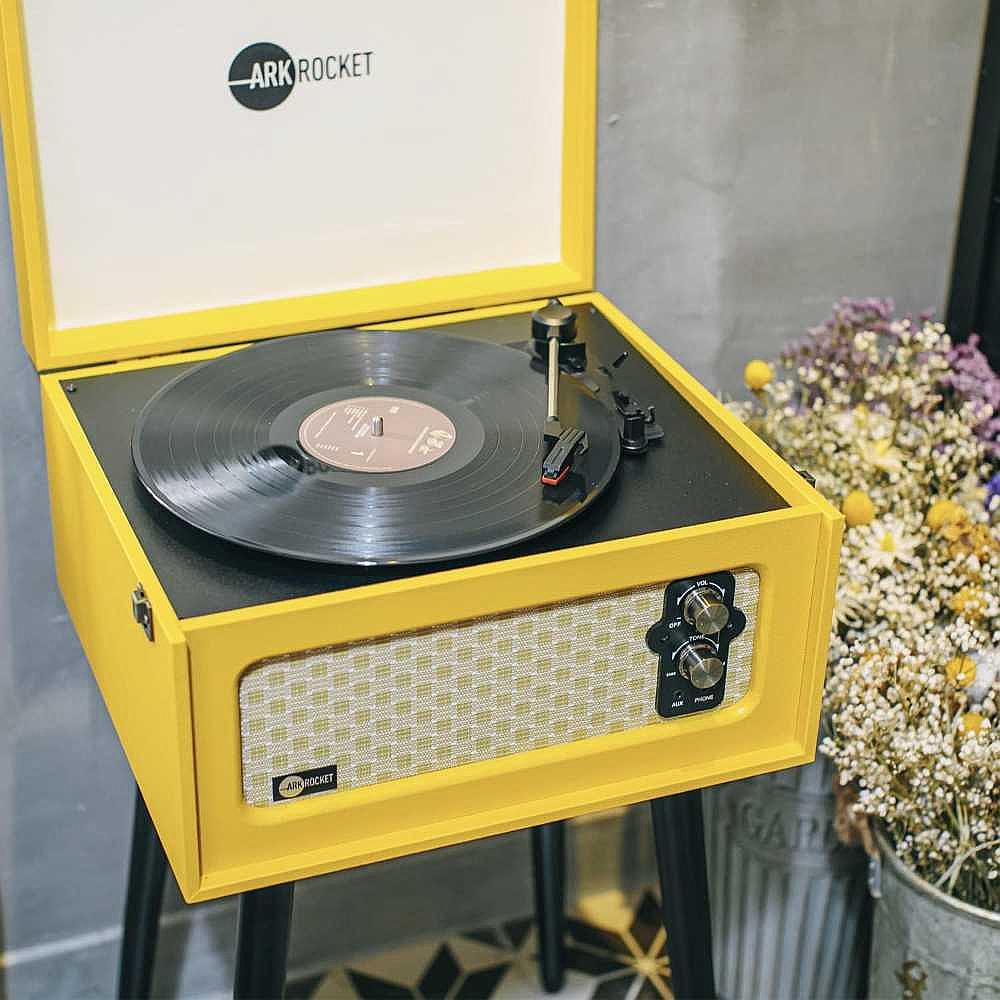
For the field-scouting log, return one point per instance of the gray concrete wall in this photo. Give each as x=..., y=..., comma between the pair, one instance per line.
x=761, y=158
x=758, y=159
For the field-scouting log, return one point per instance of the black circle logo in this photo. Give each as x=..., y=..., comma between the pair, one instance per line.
x=262, y=76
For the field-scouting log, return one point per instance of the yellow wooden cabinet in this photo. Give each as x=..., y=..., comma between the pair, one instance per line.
x=183, y=700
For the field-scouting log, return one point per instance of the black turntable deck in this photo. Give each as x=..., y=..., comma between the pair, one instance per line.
x=689, y=477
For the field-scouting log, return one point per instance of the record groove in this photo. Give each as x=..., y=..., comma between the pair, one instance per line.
x=219, y=447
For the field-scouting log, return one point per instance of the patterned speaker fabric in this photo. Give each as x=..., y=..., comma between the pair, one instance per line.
x=409, y=704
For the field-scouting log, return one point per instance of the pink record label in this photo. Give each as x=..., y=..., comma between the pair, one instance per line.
x=377, y=434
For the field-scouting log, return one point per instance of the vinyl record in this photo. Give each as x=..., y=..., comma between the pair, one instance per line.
x=368, y=447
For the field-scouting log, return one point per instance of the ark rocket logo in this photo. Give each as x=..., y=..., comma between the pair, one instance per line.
x=264, y=74
x=310, y=782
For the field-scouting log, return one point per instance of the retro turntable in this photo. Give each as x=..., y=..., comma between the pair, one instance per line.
x=395, y=638
x=438, y=558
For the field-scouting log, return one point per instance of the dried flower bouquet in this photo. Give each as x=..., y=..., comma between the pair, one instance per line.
x=902, y=430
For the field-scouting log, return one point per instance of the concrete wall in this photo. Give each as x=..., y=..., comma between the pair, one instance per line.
x=758, y=159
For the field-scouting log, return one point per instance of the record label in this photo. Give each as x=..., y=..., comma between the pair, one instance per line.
x=377, y=434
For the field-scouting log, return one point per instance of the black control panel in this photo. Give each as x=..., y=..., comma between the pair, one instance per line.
x=692, y=639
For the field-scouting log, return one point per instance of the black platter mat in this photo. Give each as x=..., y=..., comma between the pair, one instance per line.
x=218, y=447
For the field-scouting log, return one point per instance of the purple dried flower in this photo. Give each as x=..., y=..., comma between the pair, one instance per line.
x=831, y=345
x=973, y=380
x=831, y=352
x=993, y=494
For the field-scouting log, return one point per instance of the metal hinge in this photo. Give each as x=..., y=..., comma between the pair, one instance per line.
x=142, y=611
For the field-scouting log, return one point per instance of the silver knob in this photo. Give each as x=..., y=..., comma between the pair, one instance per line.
x=700, y=664
x=704, y=610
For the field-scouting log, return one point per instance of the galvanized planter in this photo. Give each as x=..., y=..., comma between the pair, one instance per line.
x=926, y=944
x=790, y=906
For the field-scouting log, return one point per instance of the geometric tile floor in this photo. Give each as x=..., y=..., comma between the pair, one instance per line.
x=615, y=950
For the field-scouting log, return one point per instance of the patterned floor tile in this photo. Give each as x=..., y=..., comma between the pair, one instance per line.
x=615, y=950
x=648, y=923
x=475, y=953
x=486, y=935
x=441, y=976
x=404, y=964
x=335, y=986
x=593, y=964
x=307, y=987
x=482, y=983
x=598, y=938
x=374, y=988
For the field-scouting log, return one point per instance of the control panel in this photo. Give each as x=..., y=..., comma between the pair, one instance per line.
x=692, y=639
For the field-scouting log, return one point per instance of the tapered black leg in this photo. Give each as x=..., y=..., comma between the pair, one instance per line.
x=262, y=942
x=548, y=849
x=147, y=872
x=679, y=832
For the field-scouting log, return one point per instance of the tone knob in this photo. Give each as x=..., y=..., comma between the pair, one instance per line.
x=704, y=610
x=700, y=664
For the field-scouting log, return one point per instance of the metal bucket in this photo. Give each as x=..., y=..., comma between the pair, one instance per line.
x=926, y=944
x=790, y=906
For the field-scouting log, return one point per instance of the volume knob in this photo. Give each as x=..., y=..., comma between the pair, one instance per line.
x=700, y=664
x=704, y=610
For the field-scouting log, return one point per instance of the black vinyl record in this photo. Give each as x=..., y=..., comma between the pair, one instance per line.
x=368, y=447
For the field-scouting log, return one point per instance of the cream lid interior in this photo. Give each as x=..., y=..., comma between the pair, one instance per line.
x=206, y=173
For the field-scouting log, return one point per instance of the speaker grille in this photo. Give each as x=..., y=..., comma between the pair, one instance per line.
x=409, y=704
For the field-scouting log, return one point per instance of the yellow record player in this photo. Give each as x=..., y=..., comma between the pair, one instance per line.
x=566, y=579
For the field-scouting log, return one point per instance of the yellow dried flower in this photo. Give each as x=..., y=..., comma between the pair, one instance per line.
x=969, y=537
x=971, y=723
x=960, y=671
x=968, y=602
x=757, y=374
x=858, y=509
x=944, y=513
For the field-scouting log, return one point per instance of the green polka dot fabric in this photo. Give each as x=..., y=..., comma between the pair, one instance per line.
x=410, y=704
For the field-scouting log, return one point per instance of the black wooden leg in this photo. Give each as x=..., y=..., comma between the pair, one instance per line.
x=679, y=832
x=262, y=942
x=147, y=872
x=548, y=849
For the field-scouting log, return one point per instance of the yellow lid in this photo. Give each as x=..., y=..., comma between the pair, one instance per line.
x=187, y=174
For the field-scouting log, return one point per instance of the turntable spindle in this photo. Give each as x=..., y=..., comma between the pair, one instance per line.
x=378, y=427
